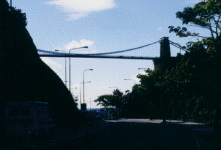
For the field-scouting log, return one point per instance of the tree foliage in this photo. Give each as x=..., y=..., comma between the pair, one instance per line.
x=11, y=14
x=111, y=100
x=205, y=15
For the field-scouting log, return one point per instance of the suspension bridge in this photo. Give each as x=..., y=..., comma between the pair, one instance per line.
x=164, y=52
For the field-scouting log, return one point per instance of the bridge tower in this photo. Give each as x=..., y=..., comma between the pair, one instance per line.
x=165, y=48
x=165, y=55
x=165, y=61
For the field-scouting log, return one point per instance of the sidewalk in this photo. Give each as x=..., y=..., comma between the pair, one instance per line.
x=203, y=131
x=199, y=130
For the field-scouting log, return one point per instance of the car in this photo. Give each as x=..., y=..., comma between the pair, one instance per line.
x=98, y=117
x=84, y=121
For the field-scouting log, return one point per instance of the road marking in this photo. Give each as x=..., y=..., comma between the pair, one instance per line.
x=197, y=143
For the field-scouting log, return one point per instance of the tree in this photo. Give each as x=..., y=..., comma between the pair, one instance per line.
x=150, y=93
x=104, y=100
x=205, y=15
x=114, y=100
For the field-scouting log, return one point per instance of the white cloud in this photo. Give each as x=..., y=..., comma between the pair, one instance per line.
x=75, y=44
x=77, y=9
x=76, y=16
x=193, y=1
x=159, y=28
x=137, y=80
x=52, y=64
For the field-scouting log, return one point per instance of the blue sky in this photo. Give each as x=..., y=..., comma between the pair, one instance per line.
x=103, y=26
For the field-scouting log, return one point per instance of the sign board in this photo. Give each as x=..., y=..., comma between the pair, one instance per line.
x=83, y=106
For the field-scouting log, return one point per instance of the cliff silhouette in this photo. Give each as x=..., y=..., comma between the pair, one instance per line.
x=24, y=76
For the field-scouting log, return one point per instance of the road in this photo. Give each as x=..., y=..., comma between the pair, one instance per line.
x=137, y=134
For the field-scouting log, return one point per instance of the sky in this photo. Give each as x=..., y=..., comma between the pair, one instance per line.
x=103, y=26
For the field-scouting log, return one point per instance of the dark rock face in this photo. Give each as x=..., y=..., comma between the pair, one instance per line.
x=25, y=77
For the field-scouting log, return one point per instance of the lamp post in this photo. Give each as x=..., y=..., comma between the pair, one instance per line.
x=83, y=83
x=130, y=79
x=142, y=68
x=113, y=87
x=80, y=91
x=70, y=65
x=65, y=67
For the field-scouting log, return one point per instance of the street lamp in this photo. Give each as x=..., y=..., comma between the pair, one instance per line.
x=80, y=91
x=130, y=79
x=142, y=68
x=83, y=83
x=65, y=67
x=70, y=65
x=113, y=87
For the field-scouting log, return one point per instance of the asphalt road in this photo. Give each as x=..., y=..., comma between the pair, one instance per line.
x=135, y=134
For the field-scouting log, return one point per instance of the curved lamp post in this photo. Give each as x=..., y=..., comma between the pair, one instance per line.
x=83, y=83
x=70, y=65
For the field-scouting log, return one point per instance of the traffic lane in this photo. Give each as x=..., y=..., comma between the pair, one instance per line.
x=127, y=135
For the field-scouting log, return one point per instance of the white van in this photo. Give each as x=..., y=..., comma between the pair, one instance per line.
x=27, y=119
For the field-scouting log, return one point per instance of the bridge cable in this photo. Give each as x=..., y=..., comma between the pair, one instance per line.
x=97, y=54
x=178, y=46
x=122, y=51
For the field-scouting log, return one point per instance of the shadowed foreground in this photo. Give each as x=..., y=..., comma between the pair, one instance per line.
x=23, y=75
x=133, y=135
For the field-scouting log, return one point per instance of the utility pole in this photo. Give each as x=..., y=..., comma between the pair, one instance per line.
x=10, y=3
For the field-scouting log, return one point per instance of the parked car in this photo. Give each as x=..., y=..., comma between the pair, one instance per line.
x=84, y=121
x=98, y=117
